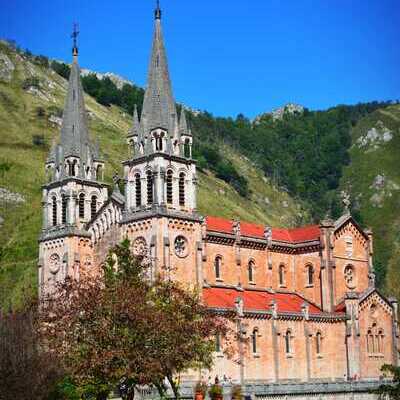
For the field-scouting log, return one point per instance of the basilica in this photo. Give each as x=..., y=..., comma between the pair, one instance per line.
x=305, y=298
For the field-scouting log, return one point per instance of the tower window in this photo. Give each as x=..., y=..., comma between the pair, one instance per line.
x=81, y=205
x=159, y=143
x=138, y=190
x=182, y=189
x=254, y=340
x=186, y=149
x=218, y=265
x=93, y=207
x=218, y=342
x=250, y=270
x=288, y=341
x=63, y=209
x=149, y=187
x=282, y=275
x=54, y=211
x=310, y=275
x=169, y=187
x=318, y=343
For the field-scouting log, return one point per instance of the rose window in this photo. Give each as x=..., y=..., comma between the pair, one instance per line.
x=140, y=247
x=54, y=263
x=181, y=246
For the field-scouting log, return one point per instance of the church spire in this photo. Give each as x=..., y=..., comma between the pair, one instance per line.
x=157, y=11
x=159, y=105
x=74, y=146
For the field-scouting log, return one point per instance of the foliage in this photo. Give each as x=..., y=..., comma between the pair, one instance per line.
x=38, y=140
x=215, y=391
x=236, y=392
x=201, y=387
x=120, y=325
x=390, y=390
x=27, y=370
x=61, y=69
x=31, y=82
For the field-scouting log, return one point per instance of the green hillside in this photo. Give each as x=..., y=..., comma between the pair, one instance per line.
x=31, y=101
x=373, y=179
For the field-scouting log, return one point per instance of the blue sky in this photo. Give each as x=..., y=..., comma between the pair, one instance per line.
x=229, y=57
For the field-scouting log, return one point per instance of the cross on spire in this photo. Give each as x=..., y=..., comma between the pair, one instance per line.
x=157, y=11
x=74, y=37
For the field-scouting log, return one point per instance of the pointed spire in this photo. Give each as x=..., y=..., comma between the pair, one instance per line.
x=157, y=11
x=74, y=37
x=159, y=104
x=134, y=131
x=183, y=127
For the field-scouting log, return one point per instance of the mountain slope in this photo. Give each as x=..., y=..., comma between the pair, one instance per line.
x=31, y=102
x=373, y=179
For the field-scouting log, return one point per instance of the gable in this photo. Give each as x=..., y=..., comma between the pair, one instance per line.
x=350, y=239
x=375, y=300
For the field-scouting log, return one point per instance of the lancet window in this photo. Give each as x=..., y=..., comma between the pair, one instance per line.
x=169, y=187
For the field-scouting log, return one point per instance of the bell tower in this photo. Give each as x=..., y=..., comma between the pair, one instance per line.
x=160, y=214
x=74, y=191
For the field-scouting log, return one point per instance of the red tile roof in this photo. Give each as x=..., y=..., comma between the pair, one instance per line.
x=254, y=300
x=296, y=235
x=218, y=224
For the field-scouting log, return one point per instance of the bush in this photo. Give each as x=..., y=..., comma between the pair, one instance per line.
x=61, y=69
x=201, y=387
x=40, y=112
x=215, y=391
x=236, y=393
x=38, y=140
x=43, y=61
x=31, y=82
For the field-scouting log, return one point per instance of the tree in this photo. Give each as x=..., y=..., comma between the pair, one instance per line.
x=27, y=370
x=120, y=325
x=390, y=390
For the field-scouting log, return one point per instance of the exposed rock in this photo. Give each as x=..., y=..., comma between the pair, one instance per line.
x=55, y=120
x=10, y=197
x=6, y=68
x=290, y=108
x=38, y=93
x=375, y=137
x=221, y=191
x=116, y=79
x=384, y=188
x=285, y=204
x=267, y=201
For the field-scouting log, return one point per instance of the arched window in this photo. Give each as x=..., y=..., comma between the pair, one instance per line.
x=81, y=205
x=186, y=149
x=282, y=275
x=73, y=168
x=217, y=266
x=138, y=190
x=250, y=271
x=93, y=207
x=380, y=341
x=182, y=189
x=254, y=340
x=169, y=187
x=310, y=275
x=370, y=341
x=149, y=187
x=54, y=211
x=159, y=143
x=288, y=341
x=63, y=209
x=69, y=167
x=318, y=343
x=218, y=342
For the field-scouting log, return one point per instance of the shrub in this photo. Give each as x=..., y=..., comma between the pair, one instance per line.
x=31, y=82
x=201, y=387
x=61, y=69
x=236, y=393
x=215, y=391
x=40, y=112
x=38, y=140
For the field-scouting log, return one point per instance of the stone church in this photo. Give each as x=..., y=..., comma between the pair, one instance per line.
x=305, y=297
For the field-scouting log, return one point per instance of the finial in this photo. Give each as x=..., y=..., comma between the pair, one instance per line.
x=157, y=11
x=74, y=37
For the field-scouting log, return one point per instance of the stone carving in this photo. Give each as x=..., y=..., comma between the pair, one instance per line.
x=349, y=277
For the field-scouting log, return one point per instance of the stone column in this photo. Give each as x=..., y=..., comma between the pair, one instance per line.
x=194, y=192
x=352, y=336
x=45, y=216
x=327, y=264
x=156, y=187
x=241, y=332
x=305, y=311
x=162, y=187
x=395, y=330
x=274, y=334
